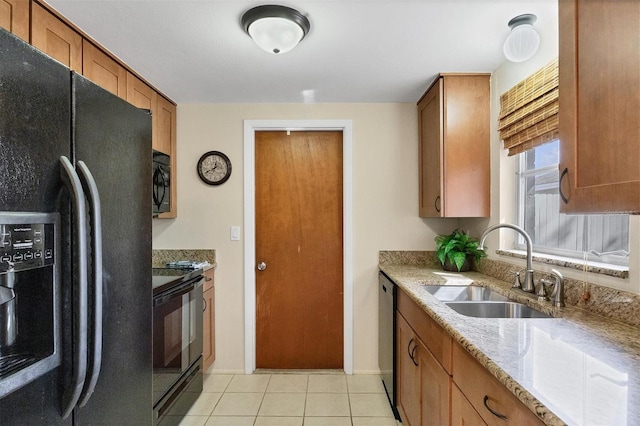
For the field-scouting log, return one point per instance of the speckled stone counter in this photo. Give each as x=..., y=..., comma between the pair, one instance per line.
x=161, y=257
x=576, y=368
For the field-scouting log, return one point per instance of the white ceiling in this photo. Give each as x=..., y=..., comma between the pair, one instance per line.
x=356, y=51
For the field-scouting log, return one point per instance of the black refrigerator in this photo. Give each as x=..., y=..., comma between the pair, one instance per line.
x=75, y=186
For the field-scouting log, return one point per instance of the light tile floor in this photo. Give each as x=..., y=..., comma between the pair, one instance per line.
x=286, y=399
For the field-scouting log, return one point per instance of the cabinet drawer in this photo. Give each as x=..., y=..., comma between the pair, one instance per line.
x=437, y=340
x=485, y=392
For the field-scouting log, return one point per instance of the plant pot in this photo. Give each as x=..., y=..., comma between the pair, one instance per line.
x=449, y=266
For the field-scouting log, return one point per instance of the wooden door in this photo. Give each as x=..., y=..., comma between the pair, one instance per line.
x=103, y=70
x=299, y=295
x=55, y=38
x=599, y=106
x=14, y=17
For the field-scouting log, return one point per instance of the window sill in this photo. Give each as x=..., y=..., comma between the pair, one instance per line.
x=593, y=267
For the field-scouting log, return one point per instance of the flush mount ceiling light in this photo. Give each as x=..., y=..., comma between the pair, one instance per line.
x=276, y=29
x=523, y=41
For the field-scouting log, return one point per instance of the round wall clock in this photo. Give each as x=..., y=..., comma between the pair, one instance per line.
x=214, y=168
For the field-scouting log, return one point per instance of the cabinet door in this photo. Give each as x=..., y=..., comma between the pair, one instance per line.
x=166, y=134
x=408, y=374
x=435, y=389
x=431, y=154
x=466, y=165
x=208, y=338
x=55, y=38
x=103, y=70
x=599, y=106
x=14, y=17
x=462, y=412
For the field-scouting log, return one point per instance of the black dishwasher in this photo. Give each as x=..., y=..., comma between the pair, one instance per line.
x=386, y=337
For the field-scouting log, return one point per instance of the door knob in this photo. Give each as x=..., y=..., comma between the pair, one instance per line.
x=262, y=266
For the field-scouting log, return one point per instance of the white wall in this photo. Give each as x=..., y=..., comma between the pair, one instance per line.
x=385, y=200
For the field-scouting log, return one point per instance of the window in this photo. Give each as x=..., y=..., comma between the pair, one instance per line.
x=604, y=237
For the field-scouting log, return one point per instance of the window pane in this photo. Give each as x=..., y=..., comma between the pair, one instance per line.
x=542, y=156
x=568, y=235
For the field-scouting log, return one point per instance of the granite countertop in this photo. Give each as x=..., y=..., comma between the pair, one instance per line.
x=577, y=368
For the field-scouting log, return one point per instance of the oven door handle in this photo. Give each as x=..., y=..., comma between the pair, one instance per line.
x=172, y=294
x=76, y=194
x=95, y=353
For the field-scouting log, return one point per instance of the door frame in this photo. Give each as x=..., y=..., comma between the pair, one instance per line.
x=250, y=127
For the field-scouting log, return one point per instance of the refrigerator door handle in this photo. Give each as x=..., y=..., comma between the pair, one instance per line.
x=74, y=389
x=95, y=353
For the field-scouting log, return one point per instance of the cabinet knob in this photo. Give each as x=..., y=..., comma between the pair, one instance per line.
x=436, y=204
x=262, y=266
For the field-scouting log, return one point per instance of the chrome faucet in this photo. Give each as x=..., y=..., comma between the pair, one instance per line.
x=528, y=285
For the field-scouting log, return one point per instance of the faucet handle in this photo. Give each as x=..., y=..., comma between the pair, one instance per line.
x=542, y=290
x=517, y=283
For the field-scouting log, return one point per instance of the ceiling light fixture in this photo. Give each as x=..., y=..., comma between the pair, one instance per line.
x=523, y=41
x=276, y=29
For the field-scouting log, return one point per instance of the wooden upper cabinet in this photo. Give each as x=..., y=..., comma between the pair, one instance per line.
x=55, y=38
x=141, y=95
x=599, y=115
x=14, y=17
x=166, y=135
x=453, y=120
x=103, y=70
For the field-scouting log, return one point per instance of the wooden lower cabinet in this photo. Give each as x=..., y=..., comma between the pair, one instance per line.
x=462, y=412
x=408, y=374
x=424, y=386
x=208, y=321
x=435, y=389
x=440, y=383
x=486, y=394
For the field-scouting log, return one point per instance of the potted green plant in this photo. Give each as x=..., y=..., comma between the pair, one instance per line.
x=457, y=251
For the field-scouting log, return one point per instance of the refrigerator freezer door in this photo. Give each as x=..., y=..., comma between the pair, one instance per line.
x=113, y=139
x=35, y=98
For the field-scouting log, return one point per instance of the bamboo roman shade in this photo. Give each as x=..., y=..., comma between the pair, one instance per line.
x=529, y=111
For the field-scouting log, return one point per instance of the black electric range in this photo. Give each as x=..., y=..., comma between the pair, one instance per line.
x=177, y=342
x=163, y=279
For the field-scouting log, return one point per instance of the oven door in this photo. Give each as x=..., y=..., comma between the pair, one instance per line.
x=177, y=334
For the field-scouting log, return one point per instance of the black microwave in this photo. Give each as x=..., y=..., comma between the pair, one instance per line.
x=161, y=199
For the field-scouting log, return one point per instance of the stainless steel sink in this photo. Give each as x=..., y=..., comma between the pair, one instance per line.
x=495, y=310
x=462, y=293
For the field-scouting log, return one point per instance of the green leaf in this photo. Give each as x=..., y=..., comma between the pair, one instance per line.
x=458, y=258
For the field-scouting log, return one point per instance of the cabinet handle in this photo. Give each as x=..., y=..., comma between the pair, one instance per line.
x=436, y=204
x=495, y=413
x=562, y=175
x=204, y=306
x=409, y=348
x=413, y=355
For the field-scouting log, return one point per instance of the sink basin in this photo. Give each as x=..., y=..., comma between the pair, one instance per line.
x=462, y=293
x=496, y=310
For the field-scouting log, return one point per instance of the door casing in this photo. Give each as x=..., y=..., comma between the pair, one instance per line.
x=250, y=127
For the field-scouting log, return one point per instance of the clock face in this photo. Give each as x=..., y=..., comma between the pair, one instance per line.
x=214, y=168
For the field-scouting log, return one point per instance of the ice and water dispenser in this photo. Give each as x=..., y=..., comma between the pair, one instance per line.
x=29, y=297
